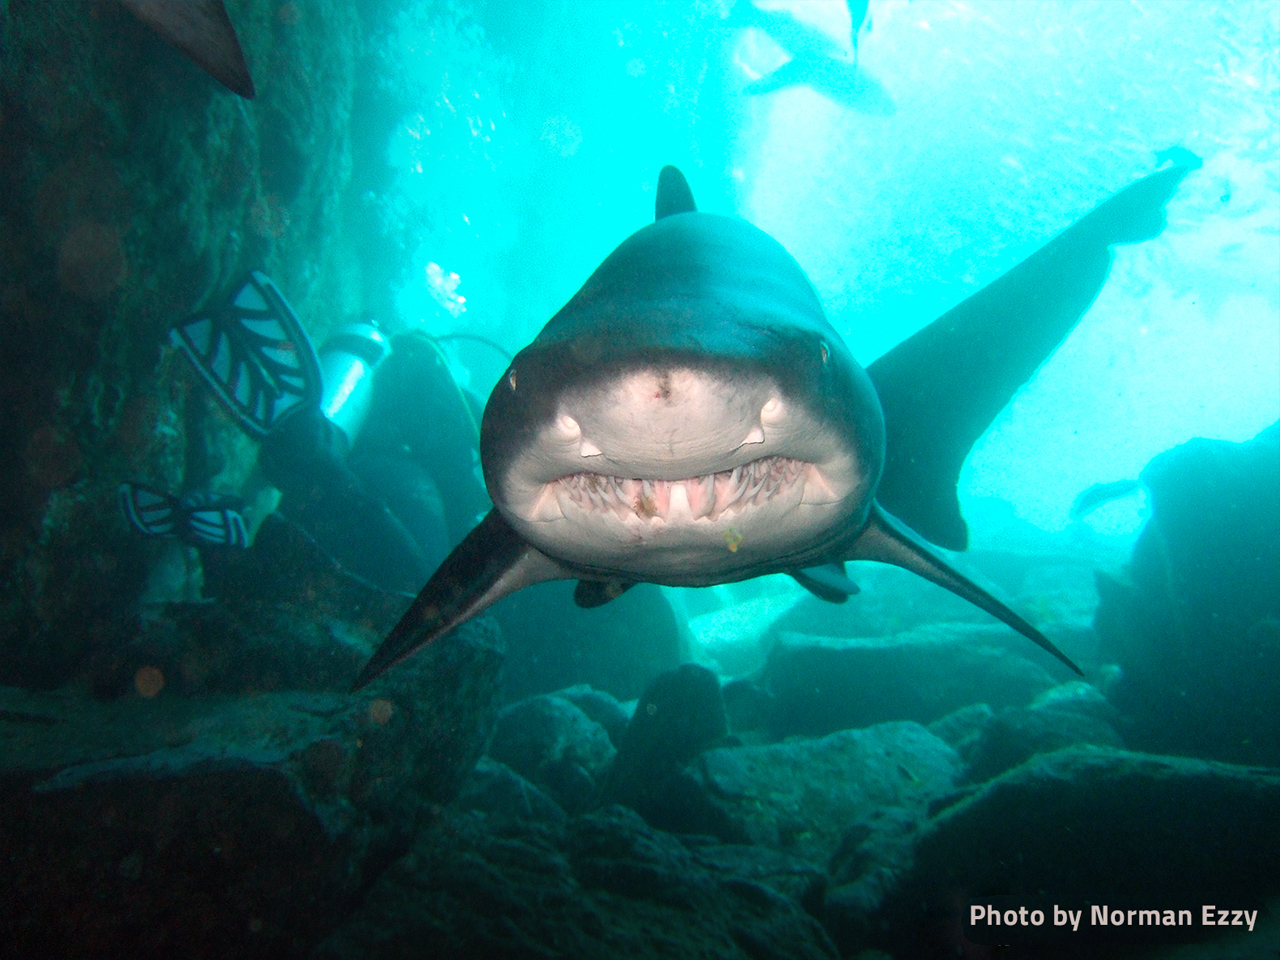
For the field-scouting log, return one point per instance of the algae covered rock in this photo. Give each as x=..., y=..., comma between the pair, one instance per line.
x=551, y=742
x=1192, y=621
x=600, y=886
x=1085, y=825
x=248, y=822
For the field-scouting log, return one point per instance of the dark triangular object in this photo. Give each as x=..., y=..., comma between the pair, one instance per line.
x=828, y=582
x=589, y=594
x=492, y=562
x=674, y=195
x=202, y=30
x=941, y=388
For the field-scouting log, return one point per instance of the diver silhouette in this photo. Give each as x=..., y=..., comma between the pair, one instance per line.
x=370, y=441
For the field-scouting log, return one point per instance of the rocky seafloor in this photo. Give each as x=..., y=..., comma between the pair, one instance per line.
x=846, y=798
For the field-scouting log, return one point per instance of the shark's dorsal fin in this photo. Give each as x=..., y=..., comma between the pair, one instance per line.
x=827, y=582
x=941, y=388
x=492, y=562
x=674, y=195
x=887, y=540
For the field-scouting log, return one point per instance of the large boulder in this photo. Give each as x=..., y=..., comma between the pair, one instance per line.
x=1072, y=713
x=601, y=886
x=249, y=823
x=1085, y=825
x=817, y=685
x=1194, y=622
x=549, y=741
x=680, y=714
x=801, y=797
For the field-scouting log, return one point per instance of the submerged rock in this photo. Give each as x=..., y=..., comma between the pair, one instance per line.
x=802, y=796
x=991, y=743
x=679, y=715
x=618, y=648
x=1081, y=826
x=497, y=791
x=248, y=823
x=1192, y=624
x=550, y=742
x=602, y=886
x=820, y=685
x=600, y=706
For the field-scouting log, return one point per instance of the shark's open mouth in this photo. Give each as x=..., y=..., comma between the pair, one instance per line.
x=705, y=497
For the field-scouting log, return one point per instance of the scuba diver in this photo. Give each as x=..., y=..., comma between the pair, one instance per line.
x=371, y=442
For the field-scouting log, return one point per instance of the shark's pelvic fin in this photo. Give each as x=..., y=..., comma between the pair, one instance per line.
x=828, y=582
x=888, y=540
x=941, y=388
x=596, y=593
x=674, y=195
x=492, y=562
x=202, y=30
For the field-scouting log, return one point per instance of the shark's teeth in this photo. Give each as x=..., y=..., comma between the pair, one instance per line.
x=706, y=497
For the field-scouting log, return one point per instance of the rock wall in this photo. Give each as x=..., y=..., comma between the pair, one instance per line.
x=134, y=190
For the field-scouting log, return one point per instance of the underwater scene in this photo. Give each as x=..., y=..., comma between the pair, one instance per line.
x=589, y=479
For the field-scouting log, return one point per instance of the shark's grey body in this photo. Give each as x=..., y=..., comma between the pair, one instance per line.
x=691, y=418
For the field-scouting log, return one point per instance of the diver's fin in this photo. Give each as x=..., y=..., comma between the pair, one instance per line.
x=674, y=195
x=492, y=562
x=216, y=523
x=201, y=522
x=149, y=511
x=887, y=540
x=827, y=582
x=941, y=388
x=202, y=30
x=596, y=593
x=255, y=355
x=1099, y=494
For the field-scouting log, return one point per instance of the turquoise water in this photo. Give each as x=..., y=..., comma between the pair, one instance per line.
x=537, y=134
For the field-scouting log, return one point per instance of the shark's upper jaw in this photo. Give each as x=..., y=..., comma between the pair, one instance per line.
x=674, y=475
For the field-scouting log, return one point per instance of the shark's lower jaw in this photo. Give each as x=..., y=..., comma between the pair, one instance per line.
x=704, y=498
x=693, y=531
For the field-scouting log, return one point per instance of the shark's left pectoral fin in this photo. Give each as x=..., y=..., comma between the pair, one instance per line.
x=828, y=582
x=492, y=562
x=888, y=540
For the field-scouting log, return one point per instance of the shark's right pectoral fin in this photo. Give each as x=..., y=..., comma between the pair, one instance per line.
x=888, y=540
x=492, y=562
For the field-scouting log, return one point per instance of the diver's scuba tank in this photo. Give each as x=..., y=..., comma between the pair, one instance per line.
x=347, y=362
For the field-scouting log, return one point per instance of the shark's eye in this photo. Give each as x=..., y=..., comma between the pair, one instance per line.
x=822, y=348
x=511, y=379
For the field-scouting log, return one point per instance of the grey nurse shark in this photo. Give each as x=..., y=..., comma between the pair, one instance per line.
x=690, y=418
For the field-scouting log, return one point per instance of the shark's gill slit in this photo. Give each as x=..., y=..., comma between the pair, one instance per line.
x=704, y=497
